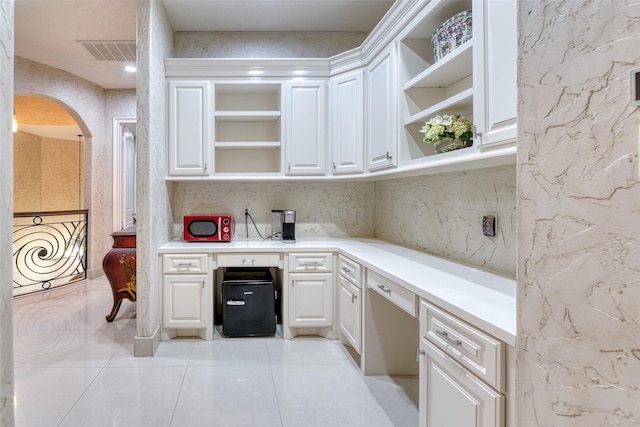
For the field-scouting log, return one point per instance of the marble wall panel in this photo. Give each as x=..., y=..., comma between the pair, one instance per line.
x=333, y=209
x=120, y=103
x=442, y=215
x=7, y=34
x=578, y=214
x=154, y=227
x=265, y=44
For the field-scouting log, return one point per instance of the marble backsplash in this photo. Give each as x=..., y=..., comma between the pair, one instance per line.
x=442, y=215
x=436, y=214
x=330, y=209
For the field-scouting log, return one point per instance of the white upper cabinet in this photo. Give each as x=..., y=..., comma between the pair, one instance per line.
x=346, y=123
x=495, y=71
x=305, y=127
x=189, y=128
x=382, y=112
x=276, y=118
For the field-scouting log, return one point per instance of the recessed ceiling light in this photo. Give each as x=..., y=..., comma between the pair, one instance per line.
x=130, y=68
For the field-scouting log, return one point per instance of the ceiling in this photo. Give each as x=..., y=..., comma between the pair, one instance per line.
x=49, y=31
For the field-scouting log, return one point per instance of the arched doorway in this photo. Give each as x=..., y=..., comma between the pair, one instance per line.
x=50, y=222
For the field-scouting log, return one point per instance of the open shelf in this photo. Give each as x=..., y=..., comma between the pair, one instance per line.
x=431, y=88
x=251, y=145
x=450, y=69
x=459, y=104
x=247, y=116
x=248, y=128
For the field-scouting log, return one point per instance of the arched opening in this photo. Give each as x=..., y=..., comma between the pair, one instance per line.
x=50, y=220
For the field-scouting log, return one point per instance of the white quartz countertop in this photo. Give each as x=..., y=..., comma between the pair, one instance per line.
x=481, y=297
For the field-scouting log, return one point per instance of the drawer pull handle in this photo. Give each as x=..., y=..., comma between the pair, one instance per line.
x=446, y=336
x=248, y=261
x=346, y=270
x=383, y=289
x=354, y=298
x=184, y=264
x=310, y=265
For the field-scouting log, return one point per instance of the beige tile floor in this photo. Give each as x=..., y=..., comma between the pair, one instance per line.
x=72, y=368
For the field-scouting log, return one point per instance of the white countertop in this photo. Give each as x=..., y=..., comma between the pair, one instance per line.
x=483, y=298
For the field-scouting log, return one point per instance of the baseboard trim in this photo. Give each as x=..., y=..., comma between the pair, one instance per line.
x=146, y=346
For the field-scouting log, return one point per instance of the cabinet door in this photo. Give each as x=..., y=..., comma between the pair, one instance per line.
x=310, y=299
x=349, y=317
x=450, y=395
x=347, y=123
x=305, y=127
x=495, y=71
x=382, y=111
x=184, y=301
x=190, y=127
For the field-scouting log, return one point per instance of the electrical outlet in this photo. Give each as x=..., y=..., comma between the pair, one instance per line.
x=489, y=225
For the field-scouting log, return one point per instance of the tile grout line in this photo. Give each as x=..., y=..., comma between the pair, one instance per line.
x=273, y=380
x=184, y=376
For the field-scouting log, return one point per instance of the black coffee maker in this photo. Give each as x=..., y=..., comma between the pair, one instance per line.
x=289, y=227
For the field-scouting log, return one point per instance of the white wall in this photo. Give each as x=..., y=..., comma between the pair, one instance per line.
x=578, y=214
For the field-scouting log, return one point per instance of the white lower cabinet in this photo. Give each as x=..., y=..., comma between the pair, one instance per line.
x=462, y=373
x=451, y=395
x=187, y=295
x=310, y=299
x=350, y=315
x=184, y=299
x=350, y=302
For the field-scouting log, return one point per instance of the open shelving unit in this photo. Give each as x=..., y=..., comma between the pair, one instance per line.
x=248, y=127
x=429, y=88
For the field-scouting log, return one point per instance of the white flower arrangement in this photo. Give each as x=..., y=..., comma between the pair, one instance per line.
x=447, y=127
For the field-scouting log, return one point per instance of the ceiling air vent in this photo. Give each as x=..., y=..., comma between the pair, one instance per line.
x=123, y=50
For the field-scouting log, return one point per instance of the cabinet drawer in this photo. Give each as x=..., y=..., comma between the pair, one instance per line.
x=184, y=263
x=480, y=353
x=249, y=260
x=312, y=263
x=349, y=269
x=395, y=293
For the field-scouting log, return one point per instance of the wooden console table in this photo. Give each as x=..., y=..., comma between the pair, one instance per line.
x=119, y=265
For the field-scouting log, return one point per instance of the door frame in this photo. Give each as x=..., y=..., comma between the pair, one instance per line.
x=118, y=172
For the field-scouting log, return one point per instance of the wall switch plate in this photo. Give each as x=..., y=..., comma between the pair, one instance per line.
x=634, y=78
x=489, y=223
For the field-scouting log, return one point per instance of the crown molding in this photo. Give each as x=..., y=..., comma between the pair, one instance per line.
x=384, y=34
x=246, y=67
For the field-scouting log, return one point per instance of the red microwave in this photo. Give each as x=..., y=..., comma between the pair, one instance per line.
x=208, y=228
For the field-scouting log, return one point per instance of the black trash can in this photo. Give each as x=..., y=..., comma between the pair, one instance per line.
x=248, y=303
